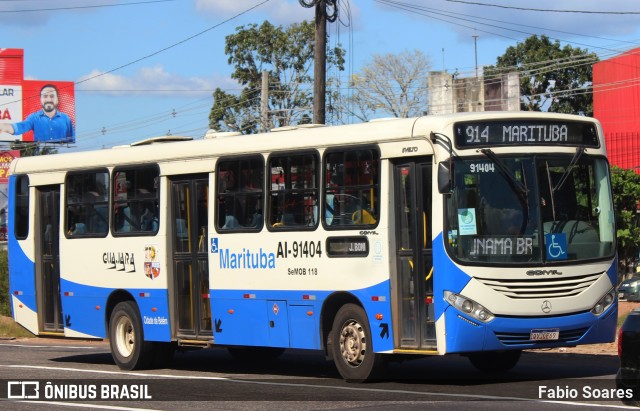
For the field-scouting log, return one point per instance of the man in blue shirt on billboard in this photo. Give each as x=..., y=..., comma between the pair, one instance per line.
x=48, y=124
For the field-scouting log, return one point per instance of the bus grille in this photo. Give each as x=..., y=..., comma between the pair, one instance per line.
x=548, y=287
x=566, y=336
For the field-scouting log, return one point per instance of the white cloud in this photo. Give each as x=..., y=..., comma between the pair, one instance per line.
x=155, y=81
x=37, y=13
x=276, y=11
x=518, y=24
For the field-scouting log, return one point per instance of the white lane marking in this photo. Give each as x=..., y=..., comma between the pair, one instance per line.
x=82, y=405
x=359, y=389
x=75, y=347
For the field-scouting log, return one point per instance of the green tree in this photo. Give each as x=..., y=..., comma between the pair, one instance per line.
x=233, y=113
x=33, y=149
x=5, y=298
x=287, y=56
x=626, y=193
x=552, y=78
x=393, y=84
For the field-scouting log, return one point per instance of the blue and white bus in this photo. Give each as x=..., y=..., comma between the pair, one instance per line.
x=480, y=234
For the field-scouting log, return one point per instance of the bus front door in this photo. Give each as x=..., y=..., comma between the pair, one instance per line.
x=48, y=260
x=190, y=266
x=414, y=274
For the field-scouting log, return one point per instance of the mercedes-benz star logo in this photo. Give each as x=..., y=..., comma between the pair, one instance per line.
x=546, y=306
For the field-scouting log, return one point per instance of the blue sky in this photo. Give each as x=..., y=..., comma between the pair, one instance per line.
x=154, y=64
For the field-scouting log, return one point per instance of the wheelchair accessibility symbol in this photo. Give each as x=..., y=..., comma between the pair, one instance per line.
x=556, y=245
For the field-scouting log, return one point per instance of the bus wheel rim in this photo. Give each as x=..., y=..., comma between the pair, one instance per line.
x=353, y=343
x=125, y=336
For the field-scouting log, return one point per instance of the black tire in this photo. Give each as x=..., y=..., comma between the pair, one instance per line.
x=126, y=338
x=495, y=361
x=351, y=345
x=630, y=384
x=255, y=354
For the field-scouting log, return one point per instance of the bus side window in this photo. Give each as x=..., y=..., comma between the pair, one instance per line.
x=239, y=193
x=230, y=219
x=86, y=202
x=21, y=209
x=135, y=200
x=352, y=188
x=294, y=191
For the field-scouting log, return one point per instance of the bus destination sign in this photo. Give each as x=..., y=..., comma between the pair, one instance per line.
x=471, y=134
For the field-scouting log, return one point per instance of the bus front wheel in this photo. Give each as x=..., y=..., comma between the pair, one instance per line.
x=351, y=345
x=126, y=339
x=495, y=361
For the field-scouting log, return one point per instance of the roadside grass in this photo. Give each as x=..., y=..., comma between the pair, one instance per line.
x=621, y=319
x=8, y=328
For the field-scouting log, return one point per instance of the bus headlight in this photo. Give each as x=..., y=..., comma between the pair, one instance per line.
x=604, y=303
x=468, y=306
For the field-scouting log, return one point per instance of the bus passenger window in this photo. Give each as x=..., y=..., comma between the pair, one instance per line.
x=21, y=209
x=86, y=203
x=352, y=188
x=294, y=191
x=239, y=194
x=230, y=220
x=135, y=200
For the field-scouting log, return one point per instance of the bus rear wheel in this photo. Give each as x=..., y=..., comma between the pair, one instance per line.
x=351, y=345
x=126, y=339
x=495, y=361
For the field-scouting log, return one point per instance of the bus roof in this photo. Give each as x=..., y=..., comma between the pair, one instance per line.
x=149, y=150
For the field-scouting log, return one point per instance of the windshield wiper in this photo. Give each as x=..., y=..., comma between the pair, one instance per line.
x=521, y=188
x=567, y=171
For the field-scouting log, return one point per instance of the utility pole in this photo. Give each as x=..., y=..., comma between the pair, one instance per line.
x=475, y=46
x=264, y=102
x=325, y=10
x=320, y=65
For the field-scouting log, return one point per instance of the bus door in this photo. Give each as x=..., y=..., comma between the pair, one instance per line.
x=416, y=322
x=189, y=213
x=48, y=259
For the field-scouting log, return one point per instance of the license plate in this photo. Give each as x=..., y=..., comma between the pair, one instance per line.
x=620, y=296
x=545, y=335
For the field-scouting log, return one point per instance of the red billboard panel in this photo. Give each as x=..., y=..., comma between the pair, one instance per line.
x=11, y=66
x=39, y=98
x=34, y=110
x=6, y=157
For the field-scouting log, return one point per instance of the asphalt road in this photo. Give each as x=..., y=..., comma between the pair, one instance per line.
x=80, y=374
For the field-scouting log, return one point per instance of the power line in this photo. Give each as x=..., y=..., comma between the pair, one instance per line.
x=96, y=6
x=411, y=8
x=158, y=52
x=175, y=44
x=542, y=10
x=518, y=24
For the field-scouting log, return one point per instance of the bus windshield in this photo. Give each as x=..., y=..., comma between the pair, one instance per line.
x=530, y=209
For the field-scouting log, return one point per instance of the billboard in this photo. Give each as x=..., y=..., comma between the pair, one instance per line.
x=6, y=157
x=34, y=110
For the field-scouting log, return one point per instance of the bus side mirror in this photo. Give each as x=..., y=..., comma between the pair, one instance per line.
x=444, y=177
